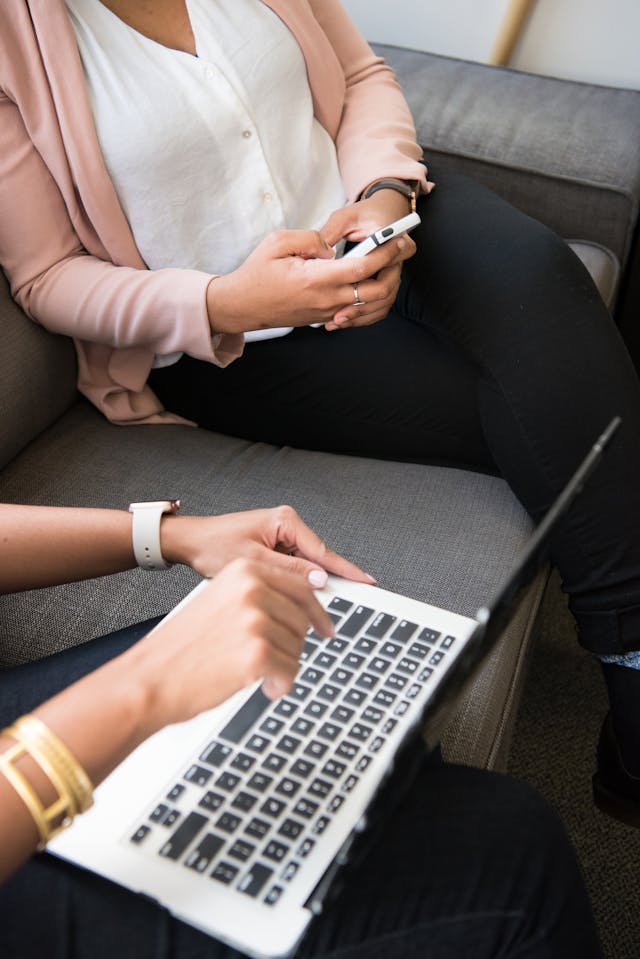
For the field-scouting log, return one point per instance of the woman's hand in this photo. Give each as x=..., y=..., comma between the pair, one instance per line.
x=292, y=279
x=355, y=222
x=274, y=536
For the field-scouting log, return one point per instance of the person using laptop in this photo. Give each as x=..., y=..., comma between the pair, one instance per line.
x=175, y=179
x=467, y=859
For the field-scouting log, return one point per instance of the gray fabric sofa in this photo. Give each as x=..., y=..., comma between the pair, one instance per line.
x=564, y=152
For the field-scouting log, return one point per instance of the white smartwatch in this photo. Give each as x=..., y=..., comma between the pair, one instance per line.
x=145, y=532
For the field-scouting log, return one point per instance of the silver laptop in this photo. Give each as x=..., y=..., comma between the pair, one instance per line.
x=239, y=821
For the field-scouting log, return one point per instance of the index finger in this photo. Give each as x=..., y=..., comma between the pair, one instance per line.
x=295, y=535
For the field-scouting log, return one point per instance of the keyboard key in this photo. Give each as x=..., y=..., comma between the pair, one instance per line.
x=288, y=787
x=390, y=650
x=404, y=631
x=340, y=605
x=244, y=801
x=316, y=749
x=176, y=792
x=228, y=822
x=424, y=674
x=308, y=650
x=225, y=873
x=379, y=665
x=305, y=848
x=408, y=666
x=362, y=763
x=341, y=676
x=401, y=708
x=272, y=726
x=211, y=801
x=320, y=788
x=241, y=850
x=447, y=642
x=140, y=834
x=312, y=676
x=302, y=726
x=347, y=750
x=198, y=775
x=325, y=660
x=291, y=829
x=360, y=732
x=365, y=645
x=215, y=754
x=243, y=762
x=384, y=698
x=300, y=692
x=342, y=714
x=305, y=808
x=329, y=731
x=316, y=709
x=274, y=762
x=335, y=803
x=350, y=783
x=227, y=781
x=320, y=825
x=355, y=697
x=428, y=635
x=203, y=854
x=353, y=661
x=413, y=691
x=257, y=743
x=260, y=782
x=246, y=717
x=302, y=768
x=333, y=768
x=329, y=691
x=258, y=828
x=380, y=625
x=356, y=621
x=171, y=819
x=436, y=658
x=367, y=681
x=286, y=707
x=159, y=812
x=388, y=726
x=272, y=807
x=396, y=681
x=372, y=715
x=184, y=835
x=273, y=895
x=289, y=871
x=337, y=645
x=418, y=650
x=288, y=744
x=275, y=850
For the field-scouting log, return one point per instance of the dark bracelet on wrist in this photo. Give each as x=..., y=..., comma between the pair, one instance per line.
x=408, y=190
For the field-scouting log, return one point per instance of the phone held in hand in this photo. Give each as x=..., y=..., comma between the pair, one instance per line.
x=386, y=233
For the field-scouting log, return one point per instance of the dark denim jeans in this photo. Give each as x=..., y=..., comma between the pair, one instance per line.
x=466, y=863
x=499, y=355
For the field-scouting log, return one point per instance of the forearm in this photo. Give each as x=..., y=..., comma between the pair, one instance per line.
x=46, y=546
x=100, y=719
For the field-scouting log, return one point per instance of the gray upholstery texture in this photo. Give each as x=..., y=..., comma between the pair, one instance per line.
x=441, y=535
x=566, y=153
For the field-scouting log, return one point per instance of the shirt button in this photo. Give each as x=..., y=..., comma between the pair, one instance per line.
x=246, y=134
x=209, y=73
x=267, y=196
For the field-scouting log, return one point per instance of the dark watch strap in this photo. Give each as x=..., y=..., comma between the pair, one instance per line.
x=400, y=186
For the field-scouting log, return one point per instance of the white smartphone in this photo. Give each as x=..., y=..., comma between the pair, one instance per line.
x=381, y=236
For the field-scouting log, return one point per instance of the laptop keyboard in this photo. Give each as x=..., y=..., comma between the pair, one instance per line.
x=250, y=808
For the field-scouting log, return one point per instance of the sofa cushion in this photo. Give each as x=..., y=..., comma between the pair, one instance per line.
x=602, y=265
x=37, y=377
x=442, y=535
x=566, y=153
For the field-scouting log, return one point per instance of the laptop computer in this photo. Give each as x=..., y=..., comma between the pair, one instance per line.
x=239, y=821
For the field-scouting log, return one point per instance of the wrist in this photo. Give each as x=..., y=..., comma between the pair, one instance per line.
x=220, y=299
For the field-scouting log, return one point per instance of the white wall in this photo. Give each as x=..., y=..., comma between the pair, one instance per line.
x=592, y=40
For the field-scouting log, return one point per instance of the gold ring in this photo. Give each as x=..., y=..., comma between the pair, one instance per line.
x=357, y=300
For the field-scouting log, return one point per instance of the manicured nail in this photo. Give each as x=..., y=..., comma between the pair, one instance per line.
x=318, y=578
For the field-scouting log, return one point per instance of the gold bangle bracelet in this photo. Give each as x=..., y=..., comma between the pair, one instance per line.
x=39, y=738
x=42, y=816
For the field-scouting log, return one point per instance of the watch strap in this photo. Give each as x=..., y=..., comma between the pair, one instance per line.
x=408, y=190
x=145, y=532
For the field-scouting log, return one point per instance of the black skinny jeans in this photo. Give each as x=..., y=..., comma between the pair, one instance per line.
x=468, y=863
x=498, y=355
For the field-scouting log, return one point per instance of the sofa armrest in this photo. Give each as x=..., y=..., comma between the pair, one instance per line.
x=566, y=153
x=37, y=377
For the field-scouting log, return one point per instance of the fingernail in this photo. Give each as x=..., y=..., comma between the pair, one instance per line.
x=318, y=578
x=371, y=578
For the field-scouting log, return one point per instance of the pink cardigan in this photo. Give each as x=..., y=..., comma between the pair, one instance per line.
x=65, y=244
